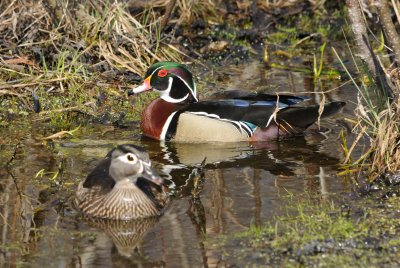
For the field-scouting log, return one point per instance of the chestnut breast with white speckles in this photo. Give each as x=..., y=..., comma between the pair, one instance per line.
x=155, y=116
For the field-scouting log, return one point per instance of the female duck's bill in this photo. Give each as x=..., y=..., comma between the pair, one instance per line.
x=123, y=186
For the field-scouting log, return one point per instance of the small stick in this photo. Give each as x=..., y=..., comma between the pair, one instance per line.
x=167, y=14
x=67, y=109
x=9, y=169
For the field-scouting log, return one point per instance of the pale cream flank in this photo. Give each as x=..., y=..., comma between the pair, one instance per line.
x=198, y=128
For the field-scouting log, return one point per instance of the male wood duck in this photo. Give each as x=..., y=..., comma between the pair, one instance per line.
x=178, y=115
x=123, y=186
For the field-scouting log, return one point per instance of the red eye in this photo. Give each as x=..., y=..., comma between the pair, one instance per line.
x=162, y=73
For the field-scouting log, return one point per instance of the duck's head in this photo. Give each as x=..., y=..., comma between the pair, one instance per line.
x=131, y=162
x=173, y=81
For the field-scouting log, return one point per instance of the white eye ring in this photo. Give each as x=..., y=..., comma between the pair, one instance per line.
x=131, y=158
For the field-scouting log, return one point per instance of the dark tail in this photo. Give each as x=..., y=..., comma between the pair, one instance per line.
x=303, y=117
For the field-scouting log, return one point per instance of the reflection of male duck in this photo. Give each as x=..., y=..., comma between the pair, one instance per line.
x=276, y=157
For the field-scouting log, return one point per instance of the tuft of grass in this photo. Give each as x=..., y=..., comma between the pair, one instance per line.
x=317, y=67
x=377, y=119
x=190, y=10
x=385, y=146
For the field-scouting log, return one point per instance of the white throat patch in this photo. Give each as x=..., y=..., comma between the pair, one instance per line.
x=165, y=94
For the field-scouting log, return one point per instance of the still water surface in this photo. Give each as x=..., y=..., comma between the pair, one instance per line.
x=243, y=185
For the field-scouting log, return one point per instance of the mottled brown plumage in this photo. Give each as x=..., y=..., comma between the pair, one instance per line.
x=122, y=187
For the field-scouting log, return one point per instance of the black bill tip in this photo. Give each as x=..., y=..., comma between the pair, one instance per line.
x=130, y=92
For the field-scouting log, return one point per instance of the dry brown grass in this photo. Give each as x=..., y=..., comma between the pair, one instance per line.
x=192, y=9
x=385, y=156
x=274, y=4
x=66, y=52
x=382, y=129
x=98, y=29
x=188, y=10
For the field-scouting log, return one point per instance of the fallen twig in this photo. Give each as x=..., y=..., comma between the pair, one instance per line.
x=14, y=154
x=61, y=134
x=33, y=83
x=68, y=109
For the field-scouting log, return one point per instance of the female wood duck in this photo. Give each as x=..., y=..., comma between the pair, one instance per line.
x=123, y=186
x=178, y=115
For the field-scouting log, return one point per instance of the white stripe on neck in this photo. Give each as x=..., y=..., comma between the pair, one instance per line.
x=166, y=126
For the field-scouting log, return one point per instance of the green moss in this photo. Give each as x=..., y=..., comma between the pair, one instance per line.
x=284, y=36
x=324, y=235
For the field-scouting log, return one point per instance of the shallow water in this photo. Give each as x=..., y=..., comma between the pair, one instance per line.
x=243, y=184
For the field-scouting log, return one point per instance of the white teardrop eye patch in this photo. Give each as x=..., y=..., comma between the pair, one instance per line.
x=131, y=158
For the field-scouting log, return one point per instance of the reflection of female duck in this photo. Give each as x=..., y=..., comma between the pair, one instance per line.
x=123, y=186
x=126, y=235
